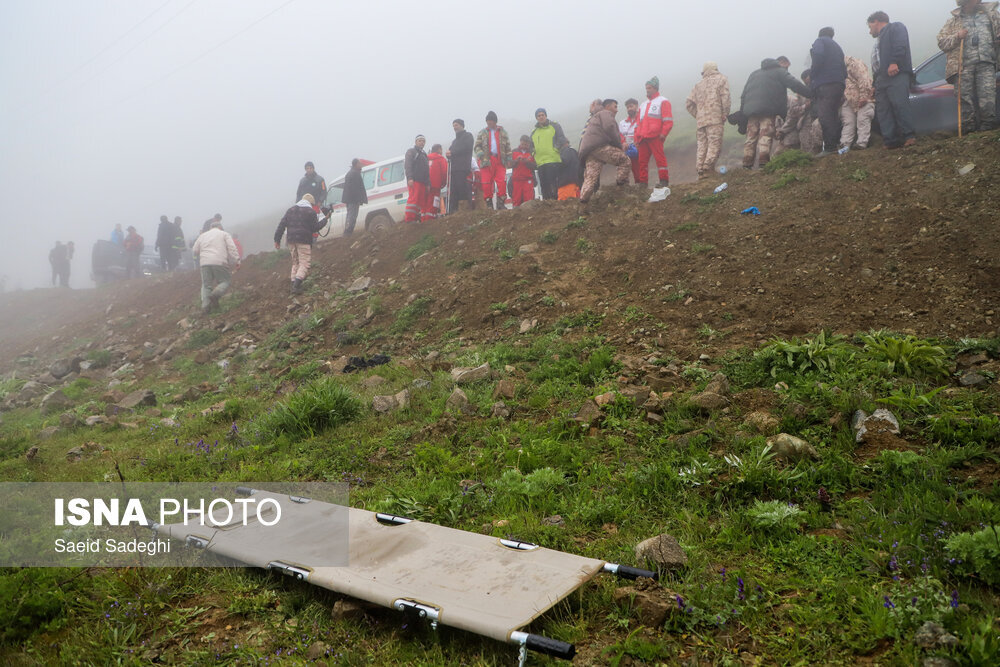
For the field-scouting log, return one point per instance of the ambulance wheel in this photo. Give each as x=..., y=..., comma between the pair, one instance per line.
x=380, y=225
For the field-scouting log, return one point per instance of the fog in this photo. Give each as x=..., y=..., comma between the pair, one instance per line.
x=123, y=111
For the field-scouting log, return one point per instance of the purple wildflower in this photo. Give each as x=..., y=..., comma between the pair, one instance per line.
x=740, y=595
x=888, y=603
x=954, y=599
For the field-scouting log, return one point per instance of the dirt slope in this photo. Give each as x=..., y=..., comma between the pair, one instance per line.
x=875, y=238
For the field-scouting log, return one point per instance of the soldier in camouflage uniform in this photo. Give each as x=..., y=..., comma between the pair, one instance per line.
x=709, y=103
x=978, y=24
x=858, y=109
x=801, y=127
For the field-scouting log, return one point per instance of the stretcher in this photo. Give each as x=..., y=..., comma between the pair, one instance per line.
x=478, y=583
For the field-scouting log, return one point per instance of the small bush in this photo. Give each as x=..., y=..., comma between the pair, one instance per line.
x=775, y=515
x=548, y=236
x=977, y=554
x=99, y=358
x=319, y=405
x=787, y=160
x=907, y=355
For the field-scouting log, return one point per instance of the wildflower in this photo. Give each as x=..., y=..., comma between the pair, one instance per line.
x=723, y=573
x=680, y=602
x=888, y=603
x=954, y=599
x=740, y=595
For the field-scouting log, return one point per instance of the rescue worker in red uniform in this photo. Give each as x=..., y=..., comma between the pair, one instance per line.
x=418, y=177
x=655, y=122
x=438, y=179
x=492, y=150
x=522, y=178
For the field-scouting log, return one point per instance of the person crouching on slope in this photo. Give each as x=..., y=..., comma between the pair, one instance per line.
x=302, y=222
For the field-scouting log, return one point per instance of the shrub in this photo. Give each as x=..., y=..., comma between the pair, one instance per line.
x=786, y=160
x=319, y=405
x=202, y=338
x=907, y=354
x=977, y=554
x=775, y=515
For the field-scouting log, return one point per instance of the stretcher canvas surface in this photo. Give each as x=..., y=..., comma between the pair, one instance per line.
x=478, y=584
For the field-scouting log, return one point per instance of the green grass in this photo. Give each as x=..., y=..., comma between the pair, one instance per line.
x=425, y=244
x=788, y=159
x=903, y=536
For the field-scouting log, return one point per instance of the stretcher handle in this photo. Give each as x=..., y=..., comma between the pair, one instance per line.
x=553, y=647
x=633, y=573
x=629, y=572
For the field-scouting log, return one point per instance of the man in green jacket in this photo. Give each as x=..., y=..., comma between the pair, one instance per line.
x=546, y=136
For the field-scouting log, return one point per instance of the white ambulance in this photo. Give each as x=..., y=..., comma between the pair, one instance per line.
x=385, y=183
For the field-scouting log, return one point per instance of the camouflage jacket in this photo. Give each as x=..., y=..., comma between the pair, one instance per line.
x=709, y=101
x=482, y=149
x=859, y=89
x=798, y=107
x=948, y=40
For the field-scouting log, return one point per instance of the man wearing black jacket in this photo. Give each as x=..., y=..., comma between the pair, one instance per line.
x=302, y=222
x=354, y=195
x=764, y=97
x=312, y=183
x=460, y=162
x=828, y=78
x=892, y=69
x=418, y=179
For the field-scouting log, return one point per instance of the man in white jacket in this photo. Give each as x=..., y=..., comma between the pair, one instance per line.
x=216, y=253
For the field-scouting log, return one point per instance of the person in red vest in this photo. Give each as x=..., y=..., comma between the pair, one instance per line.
x=522, y=178
x=438, y=178
x=655, y=122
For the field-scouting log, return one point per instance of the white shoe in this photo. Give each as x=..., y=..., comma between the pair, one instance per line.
x=659, y=194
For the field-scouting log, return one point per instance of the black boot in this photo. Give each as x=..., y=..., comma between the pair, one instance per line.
x=297, y=286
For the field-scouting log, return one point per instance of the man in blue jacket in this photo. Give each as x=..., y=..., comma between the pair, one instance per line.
x=829, y=74
x=892, y=68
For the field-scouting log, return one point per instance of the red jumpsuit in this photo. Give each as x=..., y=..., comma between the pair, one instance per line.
x=522, y=183
x=655, y=122
x=439, y=177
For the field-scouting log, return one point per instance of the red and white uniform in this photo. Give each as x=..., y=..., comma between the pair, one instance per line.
x=627, y=128
x=522, y=177
x=655, y=122
x=439, y=177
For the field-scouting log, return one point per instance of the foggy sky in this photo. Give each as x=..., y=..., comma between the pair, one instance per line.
x=122, y=111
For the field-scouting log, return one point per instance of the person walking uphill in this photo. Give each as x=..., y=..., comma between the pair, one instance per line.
x=354, y=195
x=709, y=103
x=655, y=122
x=217, y=255
x=492, y=149
x=828, y=75
x=312, y=183
x=892, y=69
x=547, y=137
x=601, y=145
x=418, y=179
x=764, y=97
x=970, y=40
x=460, y=160
x=301, y=222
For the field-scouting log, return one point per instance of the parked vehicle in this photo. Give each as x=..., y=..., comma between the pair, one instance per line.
x=385, y=183
x=107, y=262
x=932, y=98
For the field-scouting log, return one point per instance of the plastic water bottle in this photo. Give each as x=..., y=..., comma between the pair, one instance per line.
x=844, y=150
x=722, y=169
x=721, y=188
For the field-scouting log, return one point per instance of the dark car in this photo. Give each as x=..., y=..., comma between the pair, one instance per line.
x=932, y=99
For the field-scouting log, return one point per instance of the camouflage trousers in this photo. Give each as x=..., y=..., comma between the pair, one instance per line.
x=596, y=161
x=760, y=134
x=979, y=93
x=811, y=135
x=709, y=147
x=856, y=124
